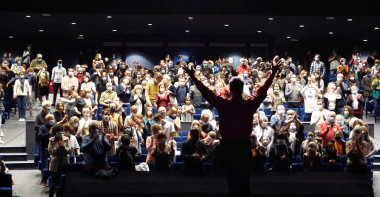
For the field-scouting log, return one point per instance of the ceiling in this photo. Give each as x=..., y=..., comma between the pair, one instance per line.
x=171, y=18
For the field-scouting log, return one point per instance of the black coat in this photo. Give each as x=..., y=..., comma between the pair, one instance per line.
x=190, y=163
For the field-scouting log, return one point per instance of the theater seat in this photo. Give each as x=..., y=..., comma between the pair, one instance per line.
x=184, y=133
x=143, y=157
x=216, y=114
x=338, y=167
x=177, y=166
x=369, y=106
x=178, y=138
x=267, y=111
x=297, y=167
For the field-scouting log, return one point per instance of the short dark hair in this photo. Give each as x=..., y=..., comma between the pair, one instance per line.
x=56, y=128
x=192, y=131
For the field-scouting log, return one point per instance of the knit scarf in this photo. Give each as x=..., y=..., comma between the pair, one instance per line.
x=22, y=84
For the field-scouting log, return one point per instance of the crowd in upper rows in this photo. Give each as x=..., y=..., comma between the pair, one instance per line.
x=112, y=85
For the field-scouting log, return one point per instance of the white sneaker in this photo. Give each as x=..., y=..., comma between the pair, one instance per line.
x=20, y=119
x=1, y=142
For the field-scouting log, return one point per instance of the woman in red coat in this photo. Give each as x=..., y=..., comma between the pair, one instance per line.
x=327, y=129
x=162, y=97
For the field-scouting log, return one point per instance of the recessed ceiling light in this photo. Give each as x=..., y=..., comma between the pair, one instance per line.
x=27, y=16
x=80, y=35
x=114, y=30
x=226, y=25
x=350, y=19
x=10, y=36
x=288, y=37
x=376, y=27
x=46, y=15
x=109, y=16
x=294, y=40
x=258, y=31
x=41, y=30
x=365, y=40
x=187, y=31
x=190, y=17
x=302, y=26
x=331, y=32
x=150, y=24
x=271, y=19
x=73, y=23
x=330, y=18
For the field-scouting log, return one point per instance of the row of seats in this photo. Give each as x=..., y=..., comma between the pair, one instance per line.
x=5, y=185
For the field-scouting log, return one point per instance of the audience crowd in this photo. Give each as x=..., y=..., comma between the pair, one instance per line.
x=113, y=108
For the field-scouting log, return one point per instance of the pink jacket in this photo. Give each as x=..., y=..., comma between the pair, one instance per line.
x=150, y=142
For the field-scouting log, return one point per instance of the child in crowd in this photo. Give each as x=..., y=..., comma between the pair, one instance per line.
x=187, y=111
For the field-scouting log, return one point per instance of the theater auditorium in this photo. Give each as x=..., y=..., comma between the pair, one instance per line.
x=189, y=98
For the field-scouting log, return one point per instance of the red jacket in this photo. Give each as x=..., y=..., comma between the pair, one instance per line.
x=327, y=134
x=240, y=70
x=236, y=114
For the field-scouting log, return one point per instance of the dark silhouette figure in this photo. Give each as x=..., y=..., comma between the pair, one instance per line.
x=235, y=126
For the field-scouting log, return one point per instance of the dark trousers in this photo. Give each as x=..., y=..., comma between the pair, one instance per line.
x=236, y=161
x=293, y=104
x=54, y=179
x=56, y=86
x=21, y=101
x=307, y=117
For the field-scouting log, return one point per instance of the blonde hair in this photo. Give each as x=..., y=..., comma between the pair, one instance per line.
x=136, y=88
x=195, y=122
x=146, y=113
x=171, y=111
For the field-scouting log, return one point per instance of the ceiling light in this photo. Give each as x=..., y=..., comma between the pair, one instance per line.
x=73, y=23
x=258, y=31
x=302, y=26
x=46, y=15
x=187, y=31
x=365, y=40
x=114, y=30
x=109, y=16
x=294, y=40
x=226, y=25
x=288, y=37
x=271, y=19
x=190, y=18
x=376, y=27
x=330, y=18
x=150, y=24
x=41, y=30
x=10, y=36
x=27, y=16
x=350, y=19
x=80, y=35
x=331, y=32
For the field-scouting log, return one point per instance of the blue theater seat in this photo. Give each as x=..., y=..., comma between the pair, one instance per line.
x=216, y=114
x=297, y=167
x=144, y=150
x=184, y=133
x=178, y=138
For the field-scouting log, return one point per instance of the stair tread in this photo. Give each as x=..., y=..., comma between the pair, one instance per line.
x=19, y=162
x=7, y=154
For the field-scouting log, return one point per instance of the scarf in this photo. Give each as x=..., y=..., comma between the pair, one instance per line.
x=22, y=84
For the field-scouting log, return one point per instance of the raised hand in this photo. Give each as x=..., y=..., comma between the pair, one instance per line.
x=278, y=65
x=189, y=71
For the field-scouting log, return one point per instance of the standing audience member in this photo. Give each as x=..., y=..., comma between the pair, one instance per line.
x=340, y=145
x=44, y=135
x=328, y=128
x=356, y=101
x=292, y=92
x=126, y=155
x=162, y=153
x=331, y=157
x=187, y=111
x=193, y=152
x=22, y=91
x=69, y=83
x=312, y=159
x=319, y=116
x=357, y=150
x=152, y=89
x=258, y=154
x=95, y=147
x=281, y=155
x=57, y=75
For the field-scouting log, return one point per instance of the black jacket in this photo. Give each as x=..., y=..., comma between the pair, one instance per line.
x=190, y=163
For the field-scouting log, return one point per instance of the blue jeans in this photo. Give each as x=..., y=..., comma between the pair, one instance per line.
x=21, y=101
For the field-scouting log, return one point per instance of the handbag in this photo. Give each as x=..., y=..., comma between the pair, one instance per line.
x=142, y=167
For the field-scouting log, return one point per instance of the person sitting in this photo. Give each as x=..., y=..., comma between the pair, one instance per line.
x=193, y=152
x=328, y=128
x=95, y=147
x=357, y=150
x=331, y=157
x=162, y=153
x=126, y=155
x=312, y=158
x=59, y=150
x=281, y=155
x=340, y=145
x=258, y=154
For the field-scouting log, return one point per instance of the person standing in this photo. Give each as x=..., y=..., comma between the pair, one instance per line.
x=68, y=82
x=318, y=66
x=235, y=118
x=21, y=91
x=57, y=75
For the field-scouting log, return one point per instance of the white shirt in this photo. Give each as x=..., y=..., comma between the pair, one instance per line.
x=310, y=96
x=260, y=133
x=58, y=74
x=168, y=128
x=88, y=86
x=331, y=97
x=314, y=117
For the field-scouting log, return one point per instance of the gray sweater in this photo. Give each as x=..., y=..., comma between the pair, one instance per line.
x=293, y=96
